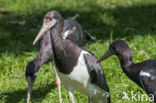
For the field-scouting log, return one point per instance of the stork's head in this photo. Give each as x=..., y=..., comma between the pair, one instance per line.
x=119, y=48
x=51, y=19
x=31, y=74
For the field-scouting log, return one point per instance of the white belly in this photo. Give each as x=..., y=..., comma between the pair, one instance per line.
x=78, y=79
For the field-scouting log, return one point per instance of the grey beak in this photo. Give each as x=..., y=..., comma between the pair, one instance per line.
x=105, y=56
x=44, y=29
x=30, y=86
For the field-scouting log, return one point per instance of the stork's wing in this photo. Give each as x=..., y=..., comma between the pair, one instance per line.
x=148, y=80
x=96, y=71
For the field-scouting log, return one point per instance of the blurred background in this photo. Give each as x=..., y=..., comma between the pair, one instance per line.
x=20, y=20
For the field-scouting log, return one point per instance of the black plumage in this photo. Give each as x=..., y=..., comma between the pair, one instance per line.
x=72, y=30
x=143, y=73
x=76, y=67
x=76, y=34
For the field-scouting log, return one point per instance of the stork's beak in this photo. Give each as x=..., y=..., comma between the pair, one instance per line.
x=30, y=86
x=105, y=56
x=46, y=26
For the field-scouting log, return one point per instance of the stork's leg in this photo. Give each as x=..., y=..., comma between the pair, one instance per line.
x=91, y=87
x=58, y=83
x=89, y=99
x=71, y=96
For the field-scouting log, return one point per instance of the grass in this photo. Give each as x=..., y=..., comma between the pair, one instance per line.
x=20, y=20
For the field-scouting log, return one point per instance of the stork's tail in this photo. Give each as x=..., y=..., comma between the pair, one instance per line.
x=89, y=36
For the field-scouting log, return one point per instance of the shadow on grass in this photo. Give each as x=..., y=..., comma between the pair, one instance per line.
x=38, y=94
x=119, y=22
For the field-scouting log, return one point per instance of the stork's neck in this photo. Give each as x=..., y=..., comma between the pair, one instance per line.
x=56, y=33
x=126, y=66
x=56, y=36
x=129, y=69
x=125, y=63
x=61, y=48
x=55, y=39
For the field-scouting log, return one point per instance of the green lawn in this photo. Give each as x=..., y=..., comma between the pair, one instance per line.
x=20, y=20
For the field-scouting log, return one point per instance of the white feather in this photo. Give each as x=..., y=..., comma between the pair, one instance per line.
x=65, y=35
x=146, y=74
x=79, y=77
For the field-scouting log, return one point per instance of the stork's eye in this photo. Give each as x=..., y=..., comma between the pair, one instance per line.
x=49, y=20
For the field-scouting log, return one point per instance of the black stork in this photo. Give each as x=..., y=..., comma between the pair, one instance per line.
x=76, y=67
x=143, y=73
x=73, y=31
